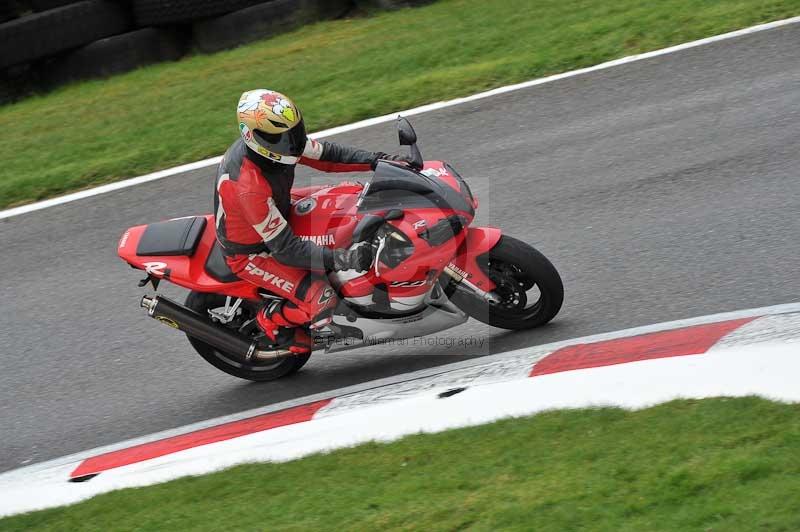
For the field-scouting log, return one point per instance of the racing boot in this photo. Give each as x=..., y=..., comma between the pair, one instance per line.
x=283, y=333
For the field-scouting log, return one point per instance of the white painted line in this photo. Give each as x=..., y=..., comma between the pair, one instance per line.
x=395, y=379
x=23, y=209
x=207, y=163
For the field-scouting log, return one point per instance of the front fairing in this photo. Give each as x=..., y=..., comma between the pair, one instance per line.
x=398, y=186
x=419, y=244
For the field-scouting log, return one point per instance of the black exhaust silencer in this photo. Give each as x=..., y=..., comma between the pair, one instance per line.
x=201, y=327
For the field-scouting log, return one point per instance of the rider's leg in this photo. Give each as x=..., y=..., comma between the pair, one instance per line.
x=308, y=298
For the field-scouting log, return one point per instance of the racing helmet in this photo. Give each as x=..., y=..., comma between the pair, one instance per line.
x=271, y=125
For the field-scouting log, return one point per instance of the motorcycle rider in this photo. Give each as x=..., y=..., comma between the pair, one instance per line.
x=252, y=203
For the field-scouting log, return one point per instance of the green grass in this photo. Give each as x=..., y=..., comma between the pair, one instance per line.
x=711, y=465
x=100, y=131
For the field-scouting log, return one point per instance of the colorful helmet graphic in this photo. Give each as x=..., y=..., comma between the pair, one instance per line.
x=271, y=125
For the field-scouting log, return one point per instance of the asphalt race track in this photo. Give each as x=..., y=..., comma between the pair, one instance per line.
x=661, y=189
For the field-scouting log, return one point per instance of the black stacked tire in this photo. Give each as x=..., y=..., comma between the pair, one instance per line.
x=263, y=20
x=46, y=5
x=117, y=54
x=390, y=4
x=16, y=83
x=43, y=34
x=8, y=10
x=161, y=12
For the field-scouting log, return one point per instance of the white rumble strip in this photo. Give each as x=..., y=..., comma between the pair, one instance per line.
x=750, y=352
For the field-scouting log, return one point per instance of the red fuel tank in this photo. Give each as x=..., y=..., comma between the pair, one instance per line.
x=327, y=217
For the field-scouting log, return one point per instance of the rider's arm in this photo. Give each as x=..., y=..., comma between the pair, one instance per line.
x=259, y=209
x=287, y=248
x=329, y=156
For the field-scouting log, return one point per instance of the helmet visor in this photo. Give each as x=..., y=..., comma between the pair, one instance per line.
x=289, y=143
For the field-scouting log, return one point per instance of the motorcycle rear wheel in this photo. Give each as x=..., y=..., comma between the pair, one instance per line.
x=521, y=274
x=201, y=303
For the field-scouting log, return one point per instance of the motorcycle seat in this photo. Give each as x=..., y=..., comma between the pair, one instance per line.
x=217, y=268
x=172, y=237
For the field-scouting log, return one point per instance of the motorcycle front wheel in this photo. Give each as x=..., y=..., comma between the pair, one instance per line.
x=257, y=371
x=529, y=287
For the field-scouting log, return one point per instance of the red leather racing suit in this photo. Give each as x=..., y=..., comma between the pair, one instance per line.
x=252, y=202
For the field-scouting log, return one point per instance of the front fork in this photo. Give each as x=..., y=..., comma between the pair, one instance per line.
x=465, y=269
x=461, y=280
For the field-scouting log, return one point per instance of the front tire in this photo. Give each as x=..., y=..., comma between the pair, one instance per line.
x=530, y=287
x=201, y=302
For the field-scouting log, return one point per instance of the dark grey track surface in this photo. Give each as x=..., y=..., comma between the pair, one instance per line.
x=662, y=189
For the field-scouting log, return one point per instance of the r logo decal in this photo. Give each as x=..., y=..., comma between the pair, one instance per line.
x=155, y=268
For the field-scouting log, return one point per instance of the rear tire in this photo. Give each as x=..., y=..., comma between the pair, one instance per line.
x=259, y=372
x=517, y=269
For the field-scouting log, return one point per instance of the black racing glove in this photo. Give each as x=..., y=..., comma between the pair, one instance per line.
x=358, y=259
x=400, y=157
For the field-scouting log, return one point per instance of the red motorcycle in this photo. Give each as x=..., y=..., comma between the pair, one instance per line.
x=432, y=269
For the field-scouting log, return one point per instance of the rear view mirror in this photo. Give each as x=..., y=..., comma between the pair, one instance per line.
x=408, y=136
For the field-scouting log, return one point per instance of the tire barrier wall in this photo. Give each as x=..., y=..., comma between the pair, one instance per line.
x=45, y=43
x=262, y=20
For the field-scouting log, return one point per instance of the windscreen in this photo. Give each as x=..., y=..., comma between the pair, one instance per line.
x=398, y=186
